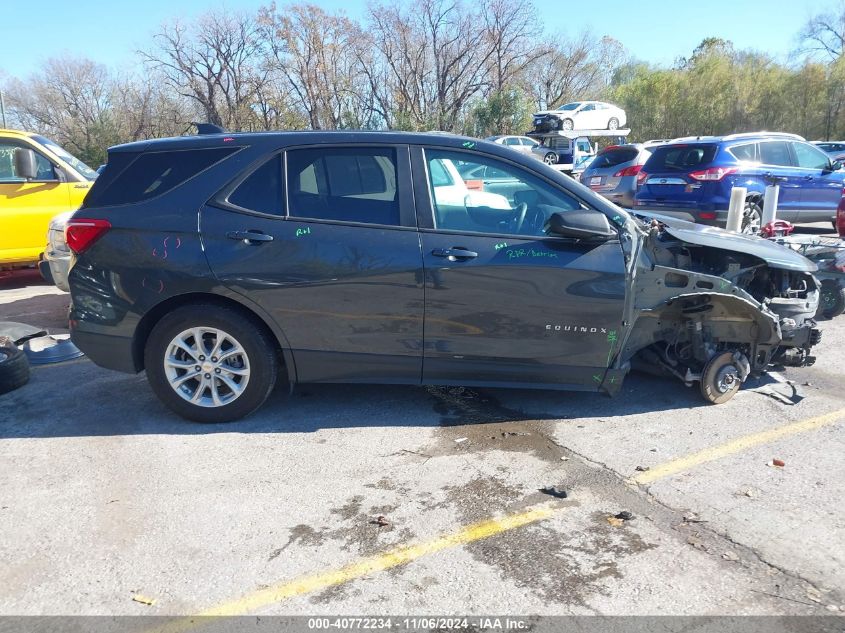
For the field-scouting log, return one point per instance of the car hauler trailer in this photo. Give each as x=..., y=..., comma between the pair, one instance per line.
x=569, y=150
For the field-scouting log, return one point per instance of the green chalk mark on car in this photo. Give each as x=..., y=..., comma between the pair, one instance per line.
x=612, y=337
x=597, y=378
x=618, y=219
x=501, y=245
x=469, y=144
x=519, y=253
x=305, y=231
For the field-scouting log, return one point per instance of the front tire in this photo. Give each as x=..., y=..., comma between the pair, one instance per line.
x=567, y=125
x=720, y=379
x=210, y=363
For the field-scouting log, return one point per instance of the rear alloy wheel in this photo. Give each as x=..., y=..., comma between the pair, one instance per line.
x=550, y=158
x=210, y=364
x=831, y=300
x=752, y=217
x=721, y=379
x=568, y=125
x=613, y=124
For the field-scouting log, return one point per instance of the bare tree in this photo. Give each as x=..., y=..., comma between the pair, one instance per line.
x=825, y=32
x=575, y=69
x=514, y=33
x=212, y=63
x=434, y=55
x=311, y=55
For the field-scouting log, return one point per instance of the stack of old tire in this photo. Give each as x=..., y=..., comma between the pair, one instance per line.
x=14, y=366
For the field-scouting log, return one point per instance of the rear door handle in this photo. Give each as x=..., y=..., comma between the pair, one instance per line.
x=454, y=254
x=250, y=237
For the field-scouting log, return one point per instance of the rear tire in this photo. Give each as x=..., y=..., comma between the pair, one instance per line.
x=14, y=368
x=237, y=363
x=831, y=300
x=550, y=158
x=720, y=379
x=613, y=124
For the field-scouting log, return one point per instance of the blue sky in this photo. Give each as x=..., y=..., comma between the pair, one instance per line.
x=110, y=31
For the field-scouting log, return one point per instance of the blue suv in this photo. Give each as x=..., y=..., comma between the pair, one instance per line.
x=692, y=178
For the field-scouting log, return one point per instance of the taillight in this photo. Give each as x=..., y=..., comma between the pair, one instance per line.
x=840, y=216
x=633, y=170
x=641, y=178
x=712, y=173
x=81, y=233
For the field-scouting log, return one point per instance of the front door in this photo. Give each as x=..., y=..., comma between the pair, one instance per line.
x=335, y=262
x=26, y=207
x=821, y=188
x=505, y=302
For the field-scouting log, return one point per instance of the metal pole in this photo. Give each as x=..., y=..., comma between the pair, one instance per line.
x=736, y=208
x=3, y=109
x=770, y=204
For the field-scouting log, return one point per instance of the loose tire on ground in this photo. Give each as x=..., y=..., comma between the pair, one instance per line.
x=720, y=379
x=247, y=361
x=831, y=299
x=14, y=368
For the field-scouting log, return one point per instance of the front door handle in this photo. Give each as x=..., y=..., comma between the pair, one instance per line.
x=250, y=237
x=809, y=178
x=454, y=254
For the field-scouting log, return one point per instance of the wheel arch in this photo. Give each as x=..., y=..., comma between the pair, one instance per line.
x=250, y=311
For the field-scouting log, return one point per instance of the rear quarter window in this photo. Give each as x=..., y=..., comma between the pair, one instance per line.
x=681, y=157
x=150, y=174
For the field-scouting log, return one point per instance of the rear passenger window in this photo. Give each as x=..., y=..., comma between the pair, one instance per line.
x=154, y=173
x=262, y=189
x=775, y=153
x=747, y=152
x=347, y=184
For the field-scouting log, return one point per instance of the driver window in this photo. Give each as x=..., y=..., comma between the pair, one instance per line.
x=477, y=194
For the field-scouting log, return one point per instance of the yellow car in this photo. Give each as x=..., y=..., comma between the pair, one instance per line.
x=38, y=180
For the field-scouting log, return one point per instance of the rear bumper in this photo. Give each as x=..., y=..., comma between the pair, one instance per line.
x=105, y=350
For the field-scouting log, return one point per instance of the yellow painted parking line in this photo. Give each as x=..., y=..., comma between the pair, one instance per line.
x=471, y=533
x=735, y=446
x=363, y=567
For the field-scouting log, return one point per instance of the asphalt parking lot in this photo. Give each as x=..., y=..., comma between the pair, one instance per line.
x=109, y=502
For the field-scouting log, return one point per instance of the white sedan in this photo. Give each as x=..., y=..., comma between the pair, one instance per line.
x=581, y=115
x=519, y=143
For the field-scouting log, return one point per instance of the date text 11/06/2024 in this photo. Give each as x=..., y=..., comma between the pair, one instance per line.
x=420, y=623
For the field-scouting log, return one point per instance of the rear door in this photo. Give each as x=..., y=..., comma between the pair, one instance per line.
x=334, y=257
x=821, y=187
x=777, y=162
x=506, y=303
x=26, y=207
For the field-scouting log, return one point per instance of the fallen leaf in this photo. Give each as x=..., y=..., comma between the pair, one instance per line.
x=729, y=555
x=143, y=599
x=615, y=522
x=778, y=462
x=382, y=521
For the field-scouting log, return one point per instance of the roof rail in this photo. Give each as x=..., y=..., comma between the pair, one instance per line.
x=731, y=137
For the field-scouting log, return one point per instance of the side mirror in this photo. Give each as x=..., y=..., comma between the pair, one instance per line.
x=581, y=224
x=25, y=165
x=836, y=165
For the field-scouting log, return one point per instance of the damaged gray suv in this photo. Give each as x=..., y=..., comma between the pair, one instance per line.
x=222, y=263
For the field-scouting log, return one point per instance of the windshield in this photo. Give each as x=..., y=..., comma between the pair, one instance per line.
x=569, y=106
x=84, y=170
